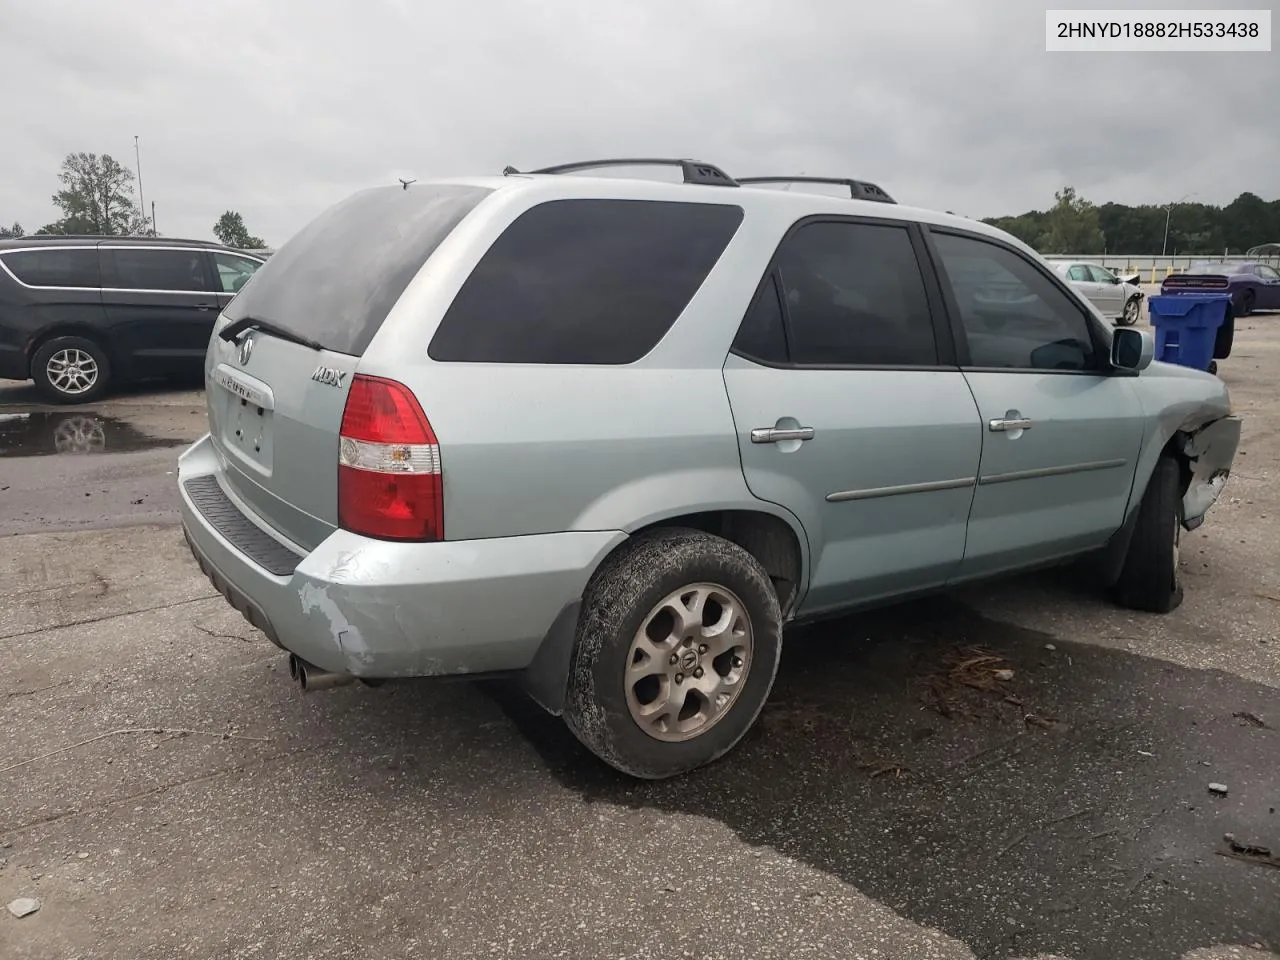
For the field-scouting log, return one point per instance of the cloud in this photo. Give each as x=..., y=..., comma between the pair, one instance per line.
x=279, y=109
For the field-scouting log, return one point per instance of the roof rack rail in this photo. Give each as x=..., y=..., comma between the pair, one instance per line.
x=695, y=171
x=858, y=189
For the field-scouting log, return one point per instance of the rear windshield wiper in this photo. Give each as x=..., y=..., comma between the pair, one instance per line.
x=233, y=329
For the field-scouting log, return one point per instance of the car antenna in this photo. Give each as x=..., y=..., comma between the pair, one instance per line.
x=405, y=183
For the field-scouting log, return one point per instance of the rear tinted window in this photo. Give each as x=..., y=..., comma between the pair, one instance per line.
x=584, y=281
x=54, y=267
x=336, y=280
x=143, y=269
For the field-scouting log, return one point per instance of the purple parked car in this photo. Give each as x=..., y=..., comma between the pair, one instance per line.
x=1252, y=286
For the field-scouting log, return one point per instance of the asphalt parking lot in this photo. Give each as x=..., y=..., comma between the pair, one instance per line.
x=165, y=791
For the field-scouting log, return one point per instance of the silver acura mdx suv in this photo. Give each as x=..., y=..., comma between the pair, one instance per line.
x=609, y=435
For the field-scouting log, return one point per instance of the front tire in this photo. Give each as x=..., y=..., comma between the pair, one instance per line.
x=1149, y=580
x=1131, y=310
x=677, y=647
x=71, y=370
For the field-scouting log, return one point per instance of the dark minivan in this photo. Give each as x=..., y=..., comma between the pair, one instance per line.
x=80, y=313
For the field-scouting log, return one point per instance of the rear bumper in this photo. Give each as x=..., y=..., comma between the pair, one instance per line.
x=379, y=609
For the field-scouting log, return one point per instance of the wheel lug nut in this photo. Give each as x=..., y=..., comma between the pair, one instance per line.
x=698, y=673
x=679, y=678
x=702, y=648
x=673, y=660
x=737, y=661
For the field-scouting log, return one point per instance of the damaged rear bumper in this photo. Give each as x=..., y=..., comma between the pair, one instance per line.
x=380, y=609
x=1210, y=451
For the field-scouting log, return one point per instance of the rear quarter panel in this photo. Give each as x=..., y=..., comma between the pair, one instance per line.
x=28, y=316
x=530, y=448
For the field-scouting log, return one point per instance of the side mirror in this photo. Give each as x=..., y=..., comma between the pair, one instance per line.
x=1132, y=349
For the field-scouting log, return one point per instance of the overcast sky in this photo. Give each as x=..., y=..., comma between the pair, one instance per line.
x=277, y=108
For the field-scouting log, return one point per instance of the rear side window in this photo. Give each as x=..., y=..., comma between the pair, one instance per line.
x=54, y=267
x=584, y=281
x=233, y=271
x=144, y=269
x=762, y=335
x=854, y=296
x=336, y=280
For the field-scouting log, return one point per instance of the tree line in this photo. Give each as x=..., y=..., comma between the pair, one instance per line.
x=97, y=199
x=1073, y=225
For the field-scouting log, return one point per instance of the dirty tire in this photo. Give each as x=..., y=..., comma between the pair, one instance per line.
x=1225, y=337
x=1132, y=309
x=68, y=347
x=1149, y=580
x=617, y=601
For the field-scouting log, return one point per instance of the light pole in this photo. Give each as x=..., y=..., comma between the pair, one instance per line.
x=142, y=201
x=1164, y=250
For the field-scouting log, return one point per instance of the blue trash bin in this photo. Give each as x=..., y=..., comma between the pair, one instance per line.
x=1187, y=327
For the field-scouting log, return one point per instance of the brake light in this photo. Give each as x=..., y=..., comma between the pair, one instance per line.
x=390, y=485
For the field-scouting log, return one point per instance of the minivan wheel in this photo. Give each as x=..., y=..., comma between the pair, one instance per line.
x=677, y=647
x=71, y=370
x=1149, y=580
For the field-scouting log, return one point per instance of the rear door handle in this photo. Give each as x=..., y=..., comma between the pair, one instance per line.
x=778, y=434
x=1015, y=423
x=206, y=306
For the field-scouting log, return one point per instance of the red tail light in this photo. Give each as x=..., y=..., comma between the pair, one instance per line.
x=390, y=485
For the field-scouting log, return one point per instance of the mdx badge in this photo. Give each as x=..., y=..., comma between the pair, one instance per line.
x=246, y=348
x=329, y=376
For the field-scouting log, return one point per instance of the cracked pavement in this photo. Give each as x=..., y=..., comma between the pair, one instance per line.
x=165, y=792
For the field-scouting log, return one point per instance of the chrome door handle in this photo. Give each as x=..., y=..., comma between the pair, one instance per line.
x=1018, y=423
x=778, y=434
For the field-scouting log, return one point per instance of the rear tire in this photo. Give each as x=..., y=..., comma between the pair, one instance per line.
x=645, y=653
x=71, y=370
x=1149, y=580
x=1246, y=304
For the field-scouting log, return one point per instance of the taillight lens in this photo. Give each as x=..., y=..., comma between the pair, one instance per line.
x=390, y=485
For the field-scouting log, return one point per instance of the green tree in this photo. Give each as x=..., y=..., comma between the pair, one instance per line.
x=1027, y=227
x=1249, y=221
x=96, y=198
x=14, y=231
x=230, y=230
x=1071, y=226
x=1195, y=229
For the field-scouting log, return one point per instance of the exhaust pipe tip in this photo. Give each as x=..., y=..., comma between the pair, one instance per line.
x=295, y=668
x=313, y=678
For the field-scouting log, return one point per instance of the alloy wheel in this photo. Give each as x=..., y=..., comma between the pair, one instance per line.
x=72, y=371
x=688, y=662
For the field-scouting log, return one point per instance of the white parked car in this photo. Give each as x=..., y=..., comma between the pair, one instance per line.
x=1118, y=298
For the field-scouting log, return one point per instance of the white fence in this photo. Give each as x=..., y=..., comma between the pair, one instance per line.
x=1153, y=269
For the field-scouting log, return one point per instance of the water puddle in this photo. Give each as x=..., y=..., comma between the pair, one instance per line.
x=46, y=434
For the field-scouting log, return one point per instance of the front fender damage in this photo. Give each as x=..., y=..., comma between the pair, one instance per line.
x=1209, y=452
